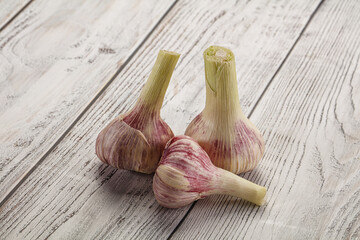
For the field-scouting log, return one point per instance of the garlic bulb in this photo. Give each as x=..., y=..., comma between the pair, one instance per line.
x=136, y=139
x=229, y=138
x=186, y=173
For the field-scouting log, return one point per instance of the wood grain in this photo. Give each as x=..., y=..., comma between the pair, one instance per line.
x=9, y=9
x=72, y=195
x=55, y=58
x=310, y=117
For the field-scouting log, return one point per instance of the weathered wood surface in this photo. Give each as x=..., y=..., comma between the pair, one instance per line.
x=310, y=117
x=72, y=195
x=55, y=57
x=9, y=9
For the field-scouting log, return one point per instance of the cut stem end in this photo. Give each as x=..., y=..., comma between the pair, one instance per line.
x=218, y=54
x=154, y=90
x=221, y=83
x=236, y=186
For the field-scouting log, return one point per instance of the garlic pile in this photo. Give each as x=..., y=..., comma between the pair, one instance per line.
x=192, y=166
x=136, y=139
x=229, y=138
x=186, y=173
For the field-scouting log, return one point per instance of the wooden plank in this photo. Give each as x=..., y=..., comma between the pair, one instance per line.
x=55, y=58
x=9, y=9
x=311, y=121
x=72, y=195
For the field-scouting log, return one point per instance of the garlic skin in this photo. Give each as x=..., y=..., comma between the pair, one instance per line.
x=222, y=130
x=135, y=140
x=186, y=174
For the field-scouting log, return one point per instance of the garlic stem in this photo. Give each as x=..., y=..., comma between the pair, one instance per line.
x=153, y=93
x=231, y=184
x=222, y=97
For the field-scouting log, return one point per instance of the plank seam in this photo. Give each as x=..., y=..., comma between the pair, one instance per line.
x=286, y=57
x=15, y=16
x=262, y=94
x=182, y=220
x=87, y=107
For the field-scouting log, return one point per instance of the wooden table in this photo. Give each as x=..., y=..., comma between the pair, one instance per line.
x=68, y=67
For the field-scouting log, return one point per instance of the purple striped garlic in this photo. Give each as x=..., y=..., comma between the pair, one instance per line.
x=135, y=140
x=226, y=134
x=186, y=174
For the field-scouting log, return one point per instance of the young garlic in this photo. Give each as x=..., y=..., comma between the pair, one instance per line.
x=229, y=138
x=135, y=140
x=186, y=173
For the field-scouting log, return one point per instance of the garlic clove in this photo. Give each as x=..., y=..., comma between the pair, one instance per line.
x=226, y=134
x=186, y=174
x=135, y=140
x=112, y=147
x=171, y=197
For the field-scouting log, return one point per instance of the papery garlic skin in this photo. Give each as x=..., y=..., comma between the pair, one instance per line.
x=226, y=134
x=126, y=144
x=135, y=140
x=186, y=174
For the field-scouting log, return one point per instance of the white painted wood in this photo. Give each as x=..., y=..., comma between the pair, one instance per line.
x=8, y=9
x=72, y=195
x=310, y=117
x=55, y=57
